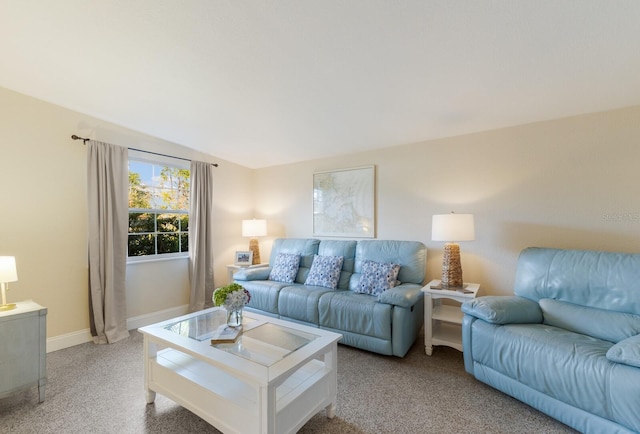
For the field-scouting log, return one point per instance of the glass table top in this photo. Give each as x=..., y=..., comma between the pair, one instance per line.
x=261, y=342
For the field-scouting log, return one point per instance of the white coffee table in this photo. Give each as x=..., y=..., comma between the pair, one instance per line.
x=273, y=379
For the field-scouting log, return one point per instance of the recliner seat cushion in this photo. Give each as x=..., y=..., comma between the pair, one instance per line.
x=300, y=302
x=358, y=313
x=564, y=365
x=264, y=294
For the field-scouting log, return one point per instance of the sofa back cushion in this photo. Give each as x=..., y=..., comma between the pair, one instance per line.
x=344, y=248
x=410, y=255
x=305, y=247
x=599, y=323
x=603, y=280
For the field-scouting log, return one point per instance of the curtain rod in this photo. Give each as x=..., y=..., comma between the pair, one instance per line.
x=74, y=137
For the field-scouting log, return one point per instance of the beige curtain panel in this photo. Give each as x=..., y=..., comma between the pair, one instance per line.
x=201, y=235
x=108, y=186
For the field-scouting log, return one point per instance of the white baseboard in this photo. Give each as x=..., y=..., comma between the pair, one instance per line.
x=68, y=340
x=154, y=317
x=60, y=342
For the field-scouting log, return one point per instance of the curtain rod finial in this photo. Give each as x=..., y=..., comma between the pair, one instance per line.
x=74, y=137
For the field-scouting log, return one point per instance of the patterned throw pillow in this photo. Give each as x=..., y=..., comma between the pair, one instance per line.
x=285, y=268
x=325, y=271
x=377, y=277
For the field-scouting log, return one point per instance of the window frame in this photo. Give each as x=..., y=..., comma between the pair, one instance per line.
x=141, y=157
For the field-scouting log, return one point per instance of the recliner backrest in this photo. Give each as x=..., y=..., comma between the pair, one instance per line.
x=603, y=280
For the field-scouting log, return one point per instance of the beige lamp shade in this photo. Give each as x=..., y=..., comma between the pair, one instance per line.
x=253, y=229
x=452, y=228
x=8, y=273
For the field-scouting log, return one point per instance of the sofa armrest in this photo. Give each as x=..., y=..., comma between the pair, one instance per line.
x=504, y=310
x=404, y=295
x=626, y=351
x=261, y=273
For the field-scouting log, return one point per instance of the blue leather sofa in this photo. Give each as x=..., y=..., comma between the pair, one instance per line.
x=568, y=341
x=386, y=324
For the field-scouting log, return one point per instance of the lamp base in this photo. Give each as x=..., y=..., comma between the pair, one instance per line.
x=255, y=248
x=451, y=267
x=9, y=306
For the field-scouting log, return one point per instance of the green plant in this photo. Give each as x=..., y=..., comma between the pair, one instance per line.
x=220, y=294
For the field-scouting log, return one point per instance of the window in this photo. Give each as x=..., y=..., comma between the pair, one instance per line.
x=158, y=209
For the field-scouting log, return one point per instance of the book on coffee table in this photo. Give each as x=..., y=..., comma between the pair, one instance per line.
x=225, y=334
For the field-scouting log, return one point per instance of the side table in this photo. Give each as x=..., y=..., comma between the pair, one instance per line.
x=442, y=323
x=232, y=269
x=23, y=358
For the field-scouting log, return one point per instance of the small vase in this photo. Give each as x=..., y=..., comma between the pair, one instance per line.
x=234, y=317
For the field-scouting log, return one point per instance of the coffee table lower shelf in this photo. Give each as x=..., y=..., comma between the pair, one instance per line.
x=235, y=405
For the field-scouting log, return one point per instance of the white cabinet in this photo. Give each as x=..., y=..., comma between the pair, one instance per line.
x=23, y=358
x=442, y=322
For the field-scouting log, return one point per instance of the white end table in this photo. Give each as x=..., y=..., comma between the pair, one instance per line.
x=442, y=323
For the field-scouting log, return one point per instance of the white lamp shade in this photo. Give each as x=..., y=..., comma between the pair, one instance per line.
x=452, y=227
x=254, y=228
x=8, y=271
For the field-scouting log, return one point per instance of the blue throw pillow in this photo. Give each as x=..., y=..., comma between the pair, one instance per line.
x=285, y=268
x=377, y=277
x=325, y=271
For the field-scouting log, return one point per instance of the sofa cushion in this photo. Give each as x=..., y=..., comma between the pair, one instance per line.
x=626, y=351
x=564, y=365
x=285, y=268
x=264, y=294
x=344, y=248
x=411, y=255
x=602, y=324
x=300, y=302
x=325, y=271
x=305, y=247
x=377, y=277
x=357, y=313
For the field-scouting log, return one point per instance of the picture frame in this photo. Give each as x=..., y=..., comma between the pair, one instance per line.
x=244, y=258
x=344, y=203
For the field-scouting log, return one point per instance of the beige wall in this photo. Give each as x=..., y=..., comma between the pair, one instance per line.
x=43, y=219
x=569, y=183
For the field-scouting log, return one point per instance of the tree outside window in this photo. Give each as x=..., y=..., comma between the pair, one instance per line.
x=158, y=209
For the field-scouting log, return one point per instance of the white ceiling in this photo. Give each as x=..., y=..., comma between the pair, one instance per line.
x=267, y=82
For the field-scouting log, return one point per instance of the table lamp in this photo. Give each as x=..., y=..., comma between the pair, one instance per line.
x=254, y=228
x=8, y=273
x=452, y=228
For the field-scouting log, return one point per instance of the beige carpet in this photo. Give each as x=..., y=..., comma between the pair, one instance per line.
x=99, y=389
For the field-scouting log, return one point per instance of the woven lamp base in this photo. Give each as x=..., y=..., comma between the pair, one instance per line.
x=255, y=248
x=451, y=267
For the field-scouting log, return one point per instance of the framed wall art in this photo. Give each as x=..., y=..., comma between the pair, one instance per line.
x=344, y=203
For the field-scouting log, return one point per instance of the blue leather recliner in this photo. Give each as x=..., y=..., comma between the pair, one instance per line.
x=568, y=342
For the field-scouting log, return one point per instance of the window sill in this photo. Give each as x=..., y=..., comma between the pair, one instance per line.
x=155, y=259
